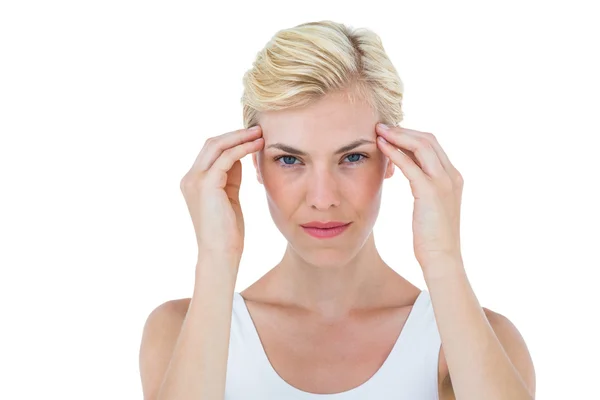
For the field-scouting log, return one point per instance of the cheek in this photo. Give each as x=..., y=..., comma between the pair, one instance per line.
x=273, y=179
x=364, y=187
x=280, y=191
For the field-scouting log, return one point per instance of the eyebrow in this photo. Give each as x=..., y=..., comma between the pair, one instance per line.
x=292, y=150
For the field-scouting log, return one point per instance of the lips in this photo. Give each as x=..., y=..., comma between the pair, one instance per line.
x=324, y=225
x=326, y=233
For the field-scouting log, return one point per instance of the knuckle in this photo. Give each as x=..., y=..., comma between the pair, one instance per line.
x=430, y=136
x=460, y=180
x=210, y=142
x=190, y=182
x=423, y=142
x=185, y=183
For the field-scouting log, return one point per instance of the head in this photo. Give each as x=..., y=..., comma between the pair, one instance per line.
x=315, y=90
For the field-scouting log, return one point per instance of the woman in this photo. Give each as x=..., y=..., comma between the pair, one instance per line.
x=331, y=319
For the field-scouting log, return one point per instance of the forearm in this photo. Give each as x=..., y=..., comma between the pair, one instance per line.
x=479, y=367
x=198, y=366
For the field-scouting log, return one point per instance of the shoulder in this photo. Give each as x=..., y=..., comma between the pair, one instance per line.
x=169, y=311
x=165, y=320
x=159, y=337
x=508, y=334
x=514, y=345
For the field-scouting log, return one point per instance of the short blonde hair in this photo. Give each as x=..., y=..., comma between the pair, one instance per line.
x=302, y=64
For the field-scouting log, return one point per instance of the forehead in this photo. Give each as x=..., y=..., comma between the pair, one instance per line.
x=333, y=118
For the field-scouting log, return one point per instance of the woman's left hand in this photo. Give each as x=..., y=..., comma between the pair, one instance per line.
x=436, y=186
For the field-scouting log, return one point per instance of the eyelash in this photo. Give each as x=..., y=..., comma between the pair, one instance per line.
x=293, y=165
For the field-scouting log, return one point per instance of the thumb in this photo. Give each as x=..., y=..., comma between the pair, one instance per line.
x=234, y=181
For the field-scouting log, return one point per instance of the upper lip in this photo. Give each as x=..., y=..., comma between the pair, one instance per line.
x=322, y=225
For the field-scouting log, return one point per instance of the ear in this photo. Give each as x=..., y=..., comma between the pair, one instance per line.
x=390, y=168
x=258, y=174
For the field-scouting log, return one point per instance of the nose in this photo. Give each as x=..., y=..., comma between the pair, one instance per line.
x=322, y=190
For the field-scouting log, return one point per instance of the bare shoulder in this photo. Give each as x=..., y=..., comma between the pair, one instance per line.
x=159, y=337
x=170, y=312
x=514, y=345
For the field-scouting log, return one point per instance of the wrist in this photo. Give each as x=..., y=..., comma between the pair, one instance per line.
x=216, y=270
x=443, y=268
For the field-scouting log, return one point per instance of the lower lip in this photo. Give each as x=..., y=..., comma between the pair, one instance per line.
x=326, y=233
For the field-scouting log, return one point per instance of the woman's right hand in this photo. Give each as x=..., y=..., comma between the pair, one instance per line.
x=211, y=190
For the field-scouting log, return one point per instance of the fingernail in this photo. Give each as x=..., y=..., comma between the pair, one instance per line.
x=383, y=126
x=254, y=128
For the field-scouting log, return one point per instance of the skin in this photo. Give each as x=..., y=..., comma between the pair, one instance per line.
x=330, y=311
x=320, y=310
x=329, y=277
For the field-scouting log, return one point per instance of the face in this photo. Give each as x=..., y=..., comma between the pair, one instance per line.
x=311, y=173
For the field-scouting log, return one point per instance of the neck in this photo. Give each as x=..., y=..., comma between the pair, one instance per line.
x=333, y=291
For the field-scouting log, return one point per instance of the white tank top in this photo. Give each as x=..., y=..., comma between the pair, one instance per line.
x=409, y=372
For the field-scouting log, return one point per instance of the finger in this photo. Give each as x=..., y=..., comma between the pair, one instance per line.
x=407, y=166
x=217, y=174
x=422, y=149
x=214, y=146
x=444, y=160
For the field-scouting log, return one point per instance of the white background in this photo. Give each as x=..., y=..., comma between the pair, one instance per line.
x=105, y=105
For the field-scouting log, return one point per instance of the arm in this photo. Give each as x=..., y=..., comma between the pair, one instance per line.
x=183, y=355
x=487, y=357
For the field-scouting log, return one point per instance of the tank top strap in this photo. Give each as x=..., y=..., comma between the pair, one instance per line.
x=415, y=357
x=244, y=332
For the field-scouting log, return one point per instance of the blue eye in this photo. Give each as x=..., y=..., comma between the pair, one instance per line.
x=355, y=154
x=290, y=159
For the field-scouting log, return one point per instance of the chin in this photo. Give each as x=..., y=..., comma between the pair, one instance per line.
x=326, y=253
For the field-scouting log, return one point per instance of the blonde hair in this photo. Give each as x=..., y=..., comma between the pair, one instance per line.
x=302, y=64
